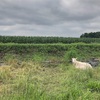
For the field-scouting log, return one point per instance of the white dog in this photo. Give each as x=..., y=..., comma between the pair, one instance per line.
x=81, y=65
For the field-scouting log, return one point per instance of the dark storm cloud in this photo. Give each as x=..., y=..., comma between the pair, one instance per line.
x=46, y=17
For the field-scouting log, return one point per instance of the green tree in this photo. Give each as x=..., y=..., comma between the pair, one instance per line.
x=91, y=35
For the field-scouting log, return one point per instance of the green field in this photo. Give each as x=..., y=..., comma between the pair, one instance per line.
x=42, y=40
x=44, y=72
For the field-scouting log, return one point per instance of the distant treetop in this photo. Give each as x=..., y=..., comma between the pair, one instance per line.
x=91, y=35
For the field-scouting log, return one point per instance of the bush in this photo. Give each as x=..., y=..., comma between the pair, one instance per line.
x=70, y=54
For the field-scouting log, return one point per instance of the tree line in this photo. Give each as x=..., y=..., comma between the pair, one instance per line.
x=91, y=35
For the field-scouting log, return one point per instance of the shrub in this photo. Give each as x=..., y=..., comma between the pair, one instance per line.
x=70, y=54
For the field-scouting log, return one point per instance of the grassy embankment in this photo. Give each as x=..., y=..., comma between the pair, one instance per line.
x=44, y=72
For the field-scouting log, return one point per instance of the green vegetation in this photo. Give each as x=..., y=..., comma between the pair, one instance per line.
x=44, y=72
x=91, y=35
x=31, y=80
x=36, y=40
x=72, y=53
x=88, y=50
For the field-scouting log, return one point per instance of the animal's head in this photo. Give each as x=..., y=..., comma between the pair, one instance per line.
x=74, y=59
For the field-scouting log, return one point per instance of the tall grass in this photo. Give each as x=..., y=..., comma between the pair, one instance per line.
x=43, y=72
x=35, y=82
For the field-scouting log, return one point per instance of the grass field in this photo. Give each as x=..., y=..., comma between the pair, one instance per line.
x=48, y=76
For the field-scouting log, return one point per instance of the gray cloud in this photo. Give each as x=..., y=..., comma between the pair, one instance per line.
x=49, y=17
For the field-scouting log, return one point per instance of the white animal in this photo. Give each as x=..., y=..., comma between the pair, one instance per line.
x=81, y=65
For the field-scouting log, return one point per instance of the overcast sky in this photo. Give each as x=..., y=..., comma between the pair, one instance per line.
x=65, y=18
